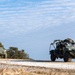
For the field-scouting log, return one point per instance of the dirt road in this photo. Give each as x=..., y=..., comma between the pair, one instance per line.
x=47, y=64
x=22, y=67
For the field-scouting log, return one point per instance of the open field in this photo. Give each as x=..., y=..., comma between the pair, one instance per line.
x=20, y=67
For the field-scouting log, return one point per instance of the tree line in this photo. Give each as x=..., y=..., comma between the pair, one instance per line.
x=15, y=53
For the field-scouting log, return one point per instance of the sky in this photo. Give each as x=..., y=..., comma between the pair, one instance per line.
x=33, y=24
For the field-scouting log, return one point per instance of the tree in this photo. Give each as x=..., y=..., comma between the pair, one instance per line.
x=14, y=53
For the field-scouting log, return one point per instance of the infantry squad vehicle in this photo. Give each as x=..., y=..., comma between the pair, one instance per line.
x=64, y=49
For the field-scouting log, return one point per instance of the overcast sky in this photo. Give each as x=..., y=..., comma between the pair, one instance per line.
x=33, y=24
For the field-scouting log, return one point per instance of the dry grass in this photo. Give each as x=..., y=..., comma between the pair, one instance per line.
x=22, y=71
x=25, y=70
x=14, y=71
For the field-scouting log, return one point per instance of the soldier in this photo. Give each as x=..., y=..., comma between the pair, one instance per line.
x=68, y=40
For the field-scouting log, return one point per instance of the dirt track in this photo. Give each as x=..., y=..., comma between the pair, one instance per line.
x=19, y=69
x=29, y=70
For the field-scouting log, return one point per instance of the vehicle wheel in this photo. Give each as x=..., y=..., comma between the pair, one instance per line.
x=67, y=57
x=53, y=57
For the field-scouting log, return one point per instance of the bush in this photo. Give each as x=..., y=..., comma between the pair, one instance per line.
x=14, y=53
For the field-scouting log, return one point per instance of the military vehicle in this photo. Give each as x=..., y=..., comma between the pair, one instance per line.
x=3, y=53
x=62, y=49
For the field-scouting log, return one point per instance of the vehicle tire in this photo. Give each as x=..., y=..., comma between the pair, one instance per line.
x=53, y=57
x=67, y=57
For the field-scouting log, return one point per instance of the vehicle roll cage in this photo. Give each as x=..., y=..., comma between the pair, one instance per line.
x=58, y=42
